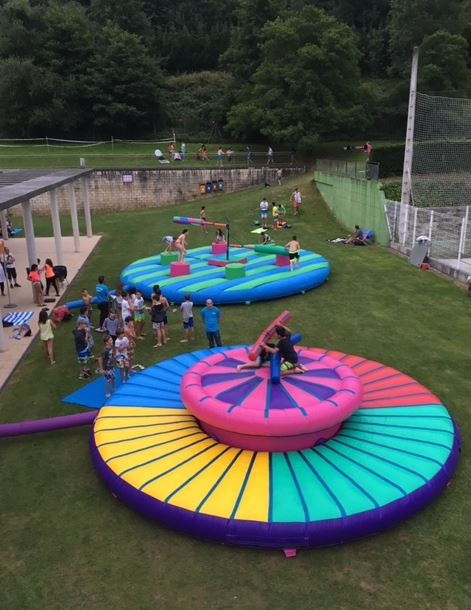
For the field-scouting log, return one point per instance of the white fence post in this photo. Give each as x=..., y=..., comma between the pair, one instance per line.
x=414, y=230
x=460, y=247
x=465, y=230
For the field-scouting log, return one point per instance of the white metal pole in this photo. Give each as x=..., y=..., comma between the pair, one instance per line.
x=29, y=232
x=460, y=247
x=409, y=141
x=86, y=206
x=56, y=226
x=3, y=224
x=74, y=217
x=414, y=230
x=465, y=230
x=395, y=222
x=404, y=223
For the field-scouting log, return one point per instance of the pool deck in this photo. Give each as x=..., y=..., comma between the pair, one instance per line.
x=16, y=349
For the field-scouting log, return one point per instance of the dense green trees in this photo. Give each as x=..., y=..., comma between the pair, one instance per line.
x=278, y=70
x=307, y=81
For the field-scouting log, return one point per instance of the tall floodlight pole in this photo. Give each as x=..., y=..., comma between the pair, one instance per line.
x=409, y=150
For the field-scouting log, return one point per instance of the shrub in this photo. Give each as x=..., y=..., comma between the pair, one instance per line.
x=390, y=158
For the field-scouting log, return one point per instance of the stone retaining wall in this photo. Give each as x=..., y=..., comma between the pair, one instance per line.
x=119, y=190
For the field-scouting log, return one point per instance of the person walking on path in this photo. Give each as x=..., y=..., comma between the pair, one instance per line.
x=50, y=276
x=103, y=300
x=270, y=156
x=211, y=316
x=11, y=269
x=248, y=155
x=3, y=279
x=279, y=175
x=46, y=334
x=296, y=201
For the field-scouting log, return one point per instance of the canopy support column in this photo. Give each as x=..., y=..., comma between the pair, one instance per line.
x=74, y=217
x=56, y=226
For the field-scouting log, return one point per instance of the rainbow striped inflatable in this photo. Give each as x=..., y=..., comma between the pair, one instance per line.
x=391, y=457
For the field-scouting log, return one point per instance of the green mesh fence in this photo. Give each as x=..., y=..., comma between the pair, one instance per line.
x=353, y=202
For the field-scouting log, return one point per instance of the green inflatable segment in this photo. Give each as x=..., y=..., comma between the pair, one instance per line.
x=279, y=276
x=286, y=506
x=319, y=503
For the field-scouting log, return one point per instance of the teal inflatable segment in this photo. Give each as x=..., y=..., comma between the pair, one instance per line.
x=286, y=506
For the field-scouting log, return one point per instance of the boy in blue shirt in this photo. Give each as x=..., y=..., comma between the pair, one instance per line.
x=102, y=298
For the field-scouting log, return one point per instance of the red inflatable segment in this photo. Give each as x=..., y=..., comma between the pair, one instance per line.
x=268, y=333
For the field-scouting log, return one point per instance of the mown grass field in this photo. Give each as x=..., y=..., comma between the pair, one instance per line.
x=139, y=155
x=66, y=544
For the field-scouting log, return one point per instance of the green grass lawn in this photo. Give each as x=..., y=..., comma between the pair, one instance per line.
x=139, y=155
x=66, y=544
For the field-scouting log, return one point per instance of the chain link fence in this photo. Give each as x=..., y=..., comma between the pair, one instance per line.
x=349, y=169
x=448, y=232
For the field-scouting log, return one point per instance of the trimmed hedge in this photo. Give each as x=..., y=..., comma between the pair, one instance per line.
x=390, y=158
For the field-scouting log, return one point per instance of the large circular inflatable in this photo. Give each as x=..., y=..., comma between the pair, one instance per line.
x=262, y=278
x=394, y=451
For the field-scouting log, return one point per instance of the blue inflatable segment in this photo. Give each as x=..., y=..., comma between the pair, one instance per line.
x=263, y=279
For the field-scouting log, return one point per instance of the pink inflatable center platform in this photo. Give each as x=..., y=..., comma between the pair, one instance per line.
x=244, y=409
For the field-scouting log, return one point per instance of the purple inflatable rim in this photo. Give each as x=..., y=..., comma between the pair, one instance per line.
x=279, y=535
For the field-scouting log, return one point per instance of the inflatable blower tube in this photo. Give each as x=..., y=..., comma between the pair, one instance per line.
x=47, y=425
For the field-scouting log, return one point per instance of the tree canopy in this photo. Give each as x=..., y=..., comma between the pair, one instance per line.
x=277, y=70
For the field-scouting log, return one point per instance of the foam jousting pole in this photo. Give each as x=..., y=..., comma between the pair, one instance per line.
x=268, y=333
x=183, y=220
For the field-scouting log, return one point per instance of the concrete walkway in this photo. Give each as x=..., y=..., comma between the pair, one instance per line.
x=23, y=297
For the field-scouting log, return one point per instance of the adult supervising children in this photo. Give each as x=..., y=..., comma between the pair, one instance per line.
x=293, y=248
x=211, y=316
x=102, y=300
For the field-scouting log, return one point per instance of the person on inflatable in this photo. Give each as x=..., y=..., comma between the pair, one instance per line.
x=289, y=358
x=169, y=242
x=180, y=245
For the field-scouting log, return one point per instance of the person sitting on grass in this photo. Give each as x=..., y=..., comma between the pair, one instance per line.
x=289, y=358
x=356, y=238
x=106, y=365
x=82, y=350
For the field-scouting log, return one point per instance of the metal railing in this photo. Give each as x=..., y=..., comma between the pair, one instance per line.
x=350, y=169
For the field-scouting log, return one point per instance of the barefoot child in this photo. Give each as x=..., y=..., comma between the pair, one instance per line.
x=139, y=318
x=180, y=245
x=82, y=350
x=157, y=314
x=203, y=219
x=46, y=327
x=121, y=355
x=187, y=317
x=106, y=365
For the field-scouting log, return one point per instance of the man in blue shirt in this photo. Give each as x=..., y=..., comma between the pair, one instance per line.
x=211, y=316
x=103, y=300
